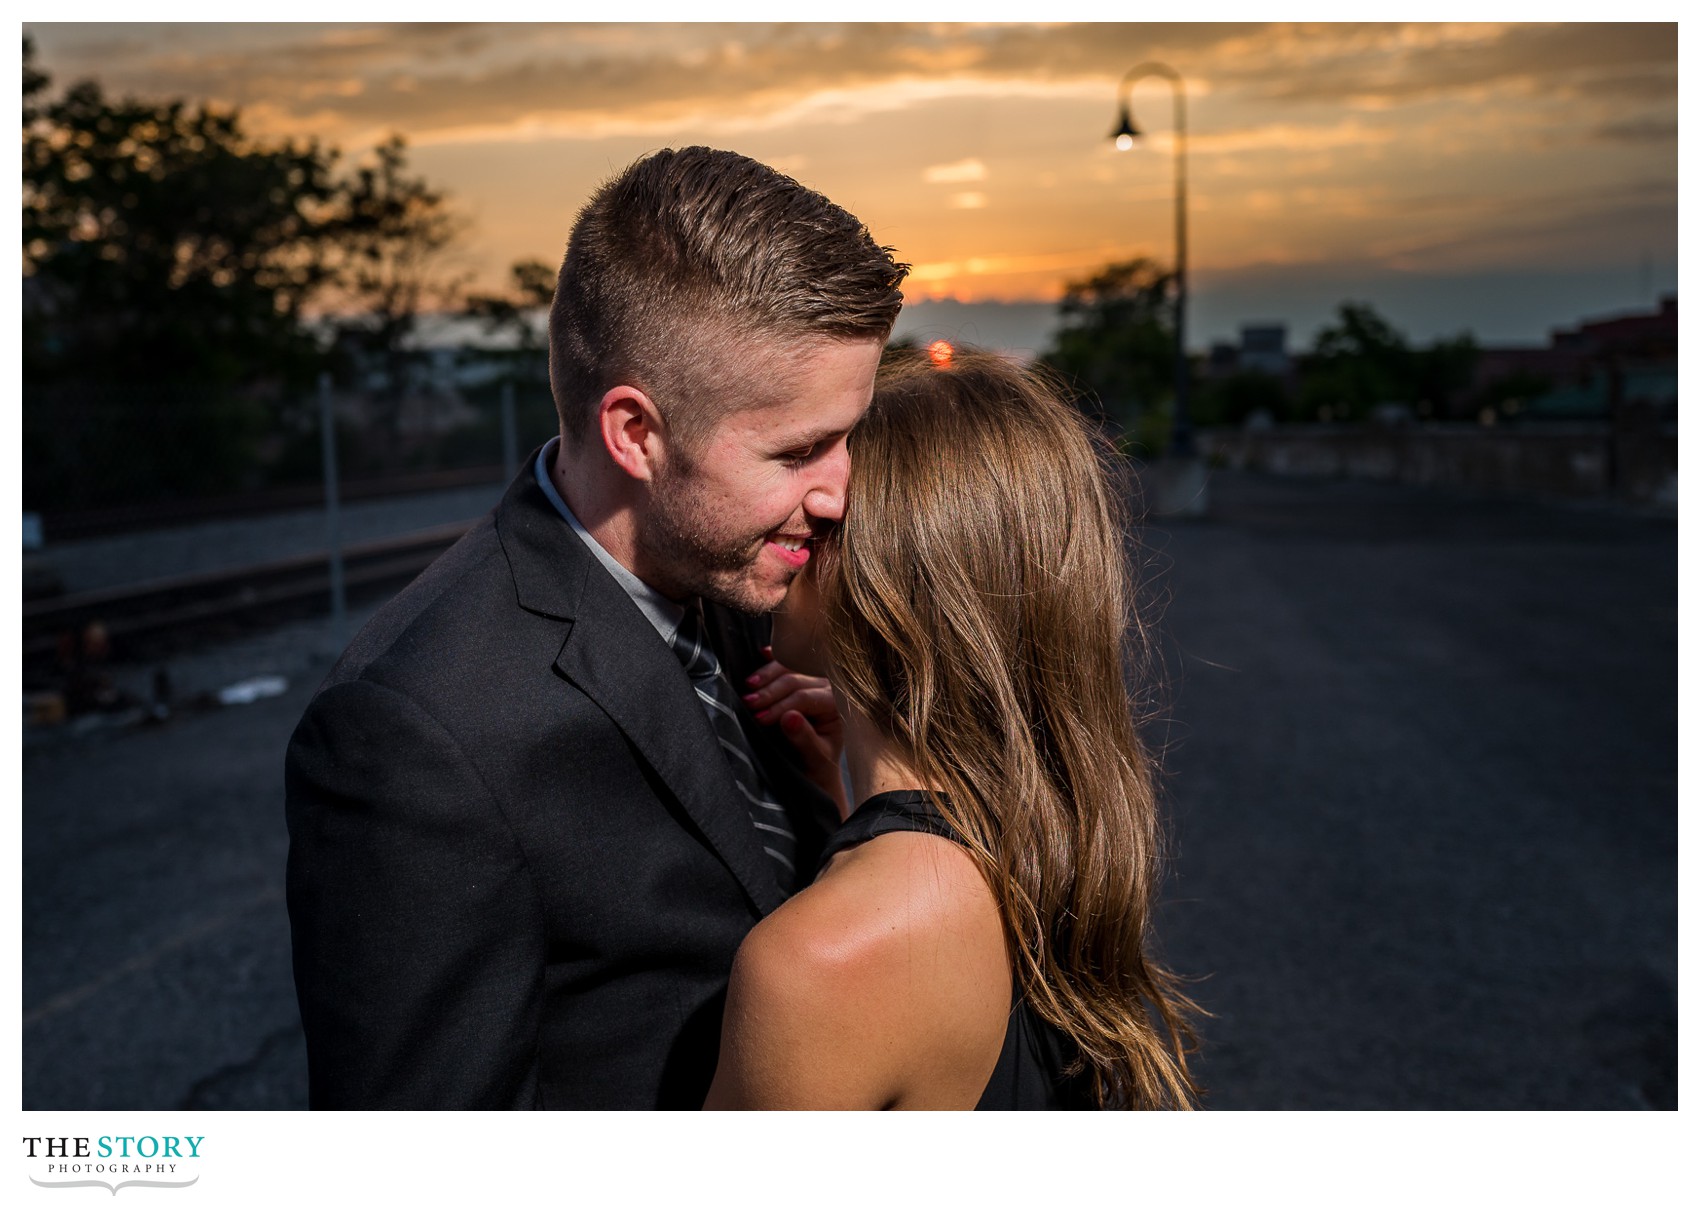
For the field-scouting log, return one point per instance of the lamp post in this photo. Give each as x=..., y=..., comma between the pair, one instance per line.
x=1180, y=441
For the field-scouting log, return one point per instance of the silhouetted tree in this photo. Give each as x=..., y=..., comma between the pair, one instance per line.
x=169, y=261
x=1443, y=373
x=1361, y=361
x=1232, y=398
x=1357, y=363
x=1116, y=338
x=530, y=289
x=162, y=243
x=391, y=229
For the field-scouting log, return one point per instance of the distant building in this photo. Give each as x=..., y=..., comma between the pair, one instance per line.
x=1495, y=363
x=1647, y=387
x=1262, y=349
x=1650, y=336
x=1579, y=373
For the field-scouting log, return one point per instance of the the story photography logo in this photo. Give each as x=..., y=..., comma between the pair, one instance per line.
x=114, y=1161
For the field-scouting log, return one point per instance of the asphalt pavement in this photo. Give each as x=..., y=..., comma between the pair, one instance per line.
x=1423, y=770
x=156, y=967
x=1421, y=755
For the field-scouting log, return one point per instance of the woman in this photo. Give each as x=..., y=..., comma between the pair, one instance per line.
x=978, y=932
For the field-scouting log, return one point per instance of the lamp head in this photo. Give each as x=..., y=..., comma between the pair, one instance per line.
x=1126, y=132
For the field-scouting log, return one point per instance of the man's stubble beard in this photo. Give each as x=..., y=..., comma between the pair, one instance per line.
x=678, y=541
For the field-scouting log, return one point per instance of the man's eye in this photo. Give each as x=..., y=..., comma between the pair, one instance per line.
x=796, y=458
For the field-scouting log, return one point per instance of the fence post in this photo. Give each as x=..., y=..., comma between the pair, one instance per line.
x=510, y=434
x=333, y=512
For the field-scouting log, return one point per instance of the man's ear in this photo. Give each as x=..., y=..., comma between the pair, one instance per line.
x=632, y=431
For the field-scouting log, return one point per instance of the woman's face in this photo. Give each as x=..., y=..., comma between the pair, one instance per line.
x=799, y=641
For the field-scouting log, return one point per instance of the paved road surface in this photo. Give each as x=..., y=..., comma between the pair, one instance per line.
x=1423, y=767
x=1425, y=774
x=156, y=948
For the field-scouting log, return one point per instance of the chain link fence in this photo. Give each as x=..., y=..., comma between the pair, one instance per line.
x=100, y=458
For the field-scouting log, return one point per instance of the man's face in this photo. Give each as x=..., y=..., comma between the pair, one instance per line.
x=731, y=519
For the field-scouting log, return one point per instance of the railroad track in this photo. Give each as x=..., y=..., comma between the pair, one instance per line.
x=249, y=594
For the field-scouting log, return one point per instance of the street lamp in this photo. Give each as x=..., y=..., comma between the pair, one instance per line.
x=1180, y=442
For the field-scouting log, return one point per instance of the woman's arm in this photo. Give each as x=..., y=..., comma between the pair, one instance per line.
x=885, y=984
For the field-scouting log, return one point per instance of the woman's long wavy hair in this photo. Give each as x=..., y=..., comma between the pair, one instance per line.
x=979, y=608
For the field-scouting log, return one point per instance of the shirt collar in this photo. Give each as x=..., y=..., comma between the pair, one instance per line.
x=663, y=614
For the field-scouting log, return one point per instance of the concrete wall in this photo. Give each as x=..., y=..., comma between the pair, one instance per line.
x=1564, y=460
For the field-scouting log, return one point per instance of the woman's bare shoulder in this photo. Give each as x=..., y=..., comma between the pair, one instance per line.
x=909, y=906
x=886, y=982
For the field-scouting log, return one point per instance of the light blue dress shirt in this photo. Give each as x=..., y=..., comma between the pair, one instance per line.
x=663, y=614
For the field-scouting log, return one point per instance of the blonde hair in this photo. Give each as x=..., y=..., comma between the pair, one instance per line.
x=978, y=602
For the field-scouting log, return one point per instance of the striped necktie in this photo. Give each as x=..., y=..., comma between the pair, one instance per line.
x=715, y=693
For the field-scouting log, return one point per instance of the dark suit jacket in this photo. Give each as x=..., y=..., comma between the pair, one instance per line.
x=518, y=867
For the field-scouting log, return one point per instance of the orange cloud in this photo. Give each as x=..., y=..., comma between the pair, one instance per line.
x=1308, y=143
x=954, y=173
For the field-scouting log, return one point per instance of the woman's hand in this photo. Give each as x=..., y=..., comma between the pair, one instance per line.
x=807, y=714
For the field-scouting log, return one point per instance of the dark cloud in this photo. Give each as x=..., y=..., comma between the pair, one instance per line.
x=1576, y=231
x=426, y=77
x=421, y=78
x=246, y=63
x=1550, y=58
x=1638, y=130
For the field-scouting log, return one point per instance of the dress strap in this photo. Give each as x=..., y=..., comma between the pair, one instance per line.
x=1035, y=1055
x=890, y=812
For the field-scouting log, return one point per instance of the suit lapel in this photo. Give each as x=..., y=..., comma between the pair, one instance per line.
x=612, y=653
x=616, y=658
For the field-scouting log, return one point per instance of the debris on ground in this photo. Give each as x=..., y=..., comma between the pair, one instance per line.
x=252, y=690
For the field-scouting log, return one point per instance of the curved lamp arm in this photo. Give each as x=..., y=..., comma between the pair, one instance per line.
x=1124, y=134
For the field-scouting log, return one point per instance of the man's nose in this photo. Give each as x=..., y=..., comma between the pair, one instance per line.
x=825, y=498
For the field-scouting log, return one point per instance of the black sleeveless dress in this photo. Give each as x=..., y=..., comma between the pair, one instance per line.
x=1029, y=1073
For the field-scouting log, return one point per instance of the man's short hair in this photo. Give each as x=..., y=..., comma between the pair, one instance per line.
x=679, y=263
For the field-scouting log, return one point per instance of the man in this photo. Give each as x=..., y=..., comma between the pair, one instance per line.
x=530, y=820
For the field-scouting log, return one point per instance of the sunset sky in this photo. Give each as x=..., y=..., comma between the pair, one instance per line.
x=1505, y=179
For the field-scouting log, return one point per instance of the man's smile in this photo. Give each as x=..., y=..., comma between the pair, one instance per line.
x=793, y=549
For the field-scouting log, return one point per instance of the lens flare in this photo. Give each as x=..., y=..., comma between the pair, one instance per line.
x=941, y=353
